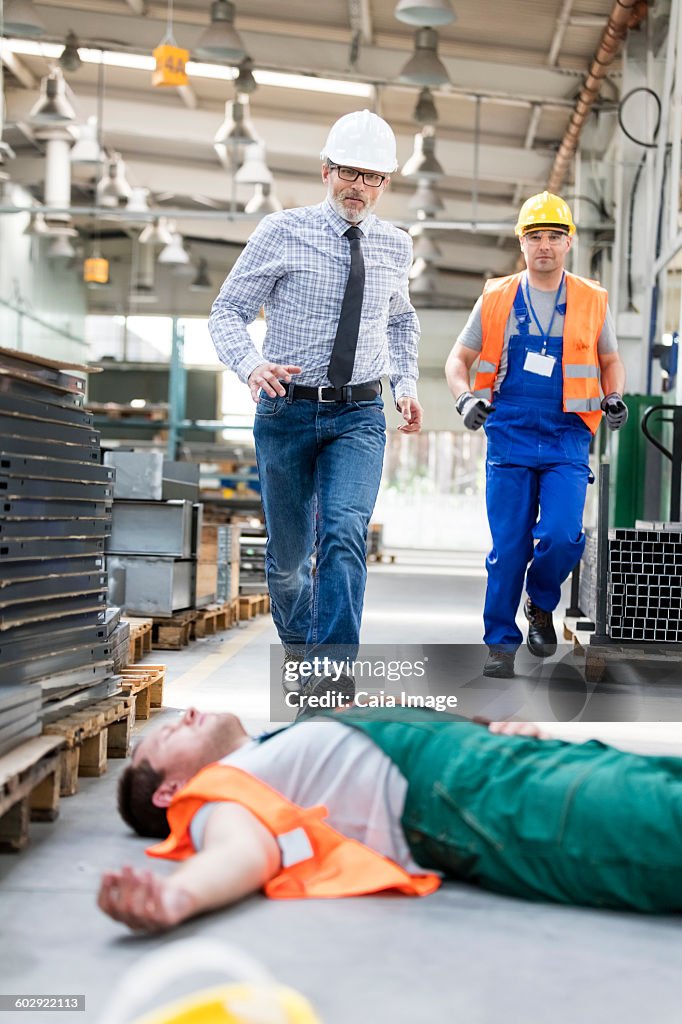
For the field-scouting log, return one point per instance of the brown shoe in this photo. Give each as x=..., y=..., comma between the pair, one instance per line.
x=541, y=638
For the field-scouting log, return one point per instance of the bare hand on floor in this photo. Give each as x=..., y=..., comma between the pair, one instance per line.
x=142, y=900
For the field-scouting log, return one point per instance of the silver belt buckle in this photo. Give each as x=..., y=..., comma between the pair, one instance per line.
x=327, y=401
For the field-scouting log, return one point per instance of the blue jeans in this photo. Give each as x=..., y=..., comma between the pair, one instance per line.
x=320, y=467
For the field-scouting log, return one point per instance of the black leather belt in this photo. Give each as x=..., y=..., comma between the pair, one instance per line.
x=354, y=393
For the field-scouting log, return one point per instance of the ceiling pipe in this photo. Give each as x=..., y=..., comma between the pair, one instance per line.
x=558, y=37
x=625, y=14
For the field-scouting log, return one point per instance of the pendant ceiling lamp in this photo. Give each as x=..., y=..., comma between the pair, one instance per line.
x=424, y=66
x=202, y=282
x=174, y=254
x=37, y=225
x=423, y=162
x=52, y=106
x=22, y=19
x=254, y=170
x=113, y=189
x=263, y=201
x=61, y=248
x=424, y=247
x=87, y=151
x=70, y=59
x=245, y=83
x=236, y=129
x=426, y=202
x=156, y=233
x=425, y=111
x=221, y=41
x=426, y=13
x=138, y=201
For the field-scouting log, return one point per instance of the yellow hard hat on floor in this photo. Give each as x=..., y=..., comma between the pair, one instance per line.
x=545, y=210
x=236, y=1004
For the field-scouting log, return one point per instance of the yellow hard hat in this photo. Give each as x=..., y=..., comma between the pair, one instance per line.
x=236, y=1004
x=545, y=210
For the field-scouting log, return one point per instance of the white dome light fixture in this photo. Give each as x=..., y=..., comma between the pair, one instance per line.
x=175, y=254
x=254, y=170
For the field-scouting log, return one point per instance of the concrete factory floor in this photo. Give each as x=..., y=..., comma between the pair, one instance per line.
x=458, y=955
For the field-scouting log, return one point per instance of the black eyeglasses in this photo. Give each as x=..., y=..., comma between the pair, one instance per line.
x=370, y=178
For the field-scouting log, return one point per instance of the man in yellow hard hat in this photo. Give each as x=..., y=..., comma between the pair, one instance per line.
x=545, y=341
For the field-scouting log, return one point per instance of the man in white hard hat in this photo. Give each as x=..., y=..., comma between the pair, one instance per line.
x=545, y=342
x=333, y=280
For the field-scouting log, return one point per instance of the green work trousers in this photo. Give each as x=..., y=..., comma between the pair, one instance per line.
x=542, y=819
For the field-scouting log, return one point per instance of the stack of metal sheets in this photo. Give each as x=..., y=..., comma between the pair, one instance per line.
x=55, y=513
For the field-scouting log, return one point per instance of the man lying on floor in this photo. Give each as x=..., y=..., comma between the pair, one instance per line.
x=410, y=797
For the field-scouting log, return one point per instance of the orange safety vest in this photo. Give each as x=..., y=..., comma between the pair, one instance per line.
x=586, y=303
x=331, y=866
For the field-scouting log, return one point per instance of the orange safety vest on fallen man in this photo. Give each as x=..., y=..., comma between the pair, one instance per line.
x=586, y=304
x=327, y=865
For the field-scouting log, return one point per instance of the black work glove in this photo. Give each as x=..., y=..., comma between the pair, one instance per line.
x=615, y=410
x=474, y=411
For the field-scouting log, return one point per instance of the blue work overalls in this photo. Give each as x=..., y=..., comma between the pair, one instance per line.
x=537, y=473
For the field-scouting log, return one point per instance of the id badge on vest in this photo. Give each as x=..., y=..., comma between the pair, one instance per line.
x=539, y=363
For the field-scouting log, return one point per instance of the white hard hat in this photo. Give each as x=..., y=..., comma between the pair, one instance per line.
x=362, y=139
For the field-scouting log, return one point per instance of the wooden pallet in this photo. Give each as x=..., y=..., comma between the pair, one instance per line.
x=214, y=618
x=91, y=737
x=29, y=789
x=251, y=605
x=580, y=638
x=174, y=633
x=140, y=637
x=598, y=657
x=145, y=684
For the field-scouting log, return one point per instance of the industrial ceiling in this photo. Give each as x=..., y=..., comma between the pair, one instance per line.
x=515, y=71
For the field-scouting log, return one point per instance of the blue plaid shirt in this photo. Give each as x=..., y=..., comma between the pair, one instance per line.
x=296, y=264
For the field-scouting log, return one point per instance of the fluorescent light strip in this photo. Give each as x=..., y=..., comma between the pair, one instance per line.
x=140, y=62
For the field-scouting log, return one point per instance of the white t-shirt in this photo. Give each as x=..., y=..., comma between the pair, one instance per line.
x=323, y=762
x=543, y=304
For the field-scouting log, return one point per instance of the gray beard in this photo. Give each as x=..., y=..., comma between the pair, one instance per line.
x=353, y=217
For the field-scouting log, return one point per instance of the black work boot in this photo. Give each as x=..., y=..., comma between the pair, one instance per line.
x=541, y=636
x=499, y=663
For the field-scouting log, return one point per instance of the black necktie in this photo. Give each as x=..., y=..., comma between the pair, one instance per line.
x=346, y=340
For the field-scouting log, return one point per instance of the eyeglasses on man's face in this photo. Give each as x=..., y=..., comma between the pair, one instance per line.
x=370, y=178
x=553, y=237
